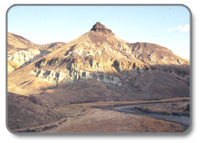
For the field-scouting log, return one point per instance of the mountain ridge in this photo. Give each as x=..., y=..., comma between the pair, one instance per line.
x=95, y=67
x=22, y=51
x=100, y=55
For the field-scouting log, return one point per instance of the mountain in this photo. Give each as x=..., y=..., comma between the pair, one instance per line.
x=100, y=55
x=22, y=51
x=97, y=66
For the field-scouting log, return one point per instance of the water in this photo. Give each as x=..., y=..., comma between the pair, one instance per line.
x=183, y=120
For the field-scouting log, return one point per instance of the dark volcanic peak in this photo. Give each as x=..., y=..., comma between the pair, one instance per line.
x=98, y=27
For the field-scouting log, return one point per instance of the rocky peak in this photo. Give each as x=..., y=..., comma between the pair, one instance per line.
x=98, y=27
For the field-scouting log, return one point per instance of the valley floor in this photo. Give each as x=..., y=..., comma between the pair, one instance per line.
x=105, y=117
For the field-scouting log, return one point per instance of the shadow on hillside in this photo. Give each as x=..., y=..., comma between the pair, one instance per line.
x=152, y=83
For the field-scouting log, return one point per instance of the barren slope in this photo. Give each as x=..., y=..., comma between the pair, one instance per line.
x=22, y=51
x=97, y=66
x=100, y=55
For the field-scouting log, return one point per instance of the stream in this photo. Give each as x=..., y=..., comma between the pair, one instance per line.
x=180, y=119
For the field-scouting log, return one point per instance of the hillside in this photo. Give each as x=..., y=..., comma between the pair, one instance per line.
x=22, y=51
x=97, y=66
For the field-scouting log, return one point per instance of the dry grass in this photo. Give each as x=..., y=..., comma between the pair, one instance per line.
x=171, y=108
x=84, y=118
x=63, y=107
x=98, y=120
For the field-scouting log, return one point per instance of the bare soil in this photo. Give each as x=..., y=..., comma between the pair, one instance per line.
x=99, y=120
x=88, y=117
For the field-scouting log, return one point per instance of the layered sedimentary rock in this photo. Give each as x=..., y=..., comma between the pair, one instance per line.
x=22, y=51
x=97, y=66
x=99, y=55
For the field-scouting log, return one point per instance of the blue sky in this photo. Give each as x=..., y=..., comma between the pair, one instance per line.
x=164, y=25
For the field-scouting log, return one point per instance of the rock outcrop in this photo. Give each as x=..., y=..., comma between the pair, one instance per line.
x=22, y=51
x=50, y=75
x=100, y=56
x=24, y=57
x=96, y=67
x=56, y=77
x=98, y=27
